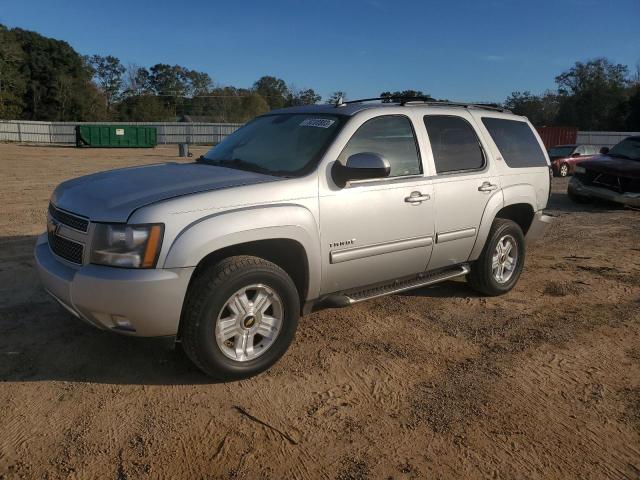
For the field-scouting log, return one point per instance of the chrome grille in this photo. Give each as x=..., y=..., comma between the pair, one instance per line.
x=73, y=221
x=65, y=248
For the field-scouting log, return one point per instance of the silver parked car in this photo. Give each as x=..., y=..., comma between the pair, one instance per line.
x=302, y=208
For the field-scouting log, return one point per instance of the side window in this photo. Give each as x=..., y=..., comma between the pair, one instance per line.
x=580, y=149
x=454, y=143
x=390, y=136
x=516, y=142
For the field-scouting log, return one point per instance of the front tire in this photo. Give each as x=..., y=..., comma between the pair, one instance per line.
x=498, y=268
x=240, y=317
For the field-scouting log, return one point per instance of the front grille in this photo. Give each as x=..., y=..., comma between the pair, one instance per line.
x=68, y=219
x=610, y=181
x=65, y=248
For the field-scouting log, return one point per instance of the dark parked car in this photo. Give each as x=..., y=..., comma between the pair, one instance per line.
x=613, y=176
x=564, y=157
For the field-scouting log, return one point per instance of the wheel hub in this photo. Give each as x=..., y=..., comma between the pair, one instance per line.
x=505, y=259
x=249, y=322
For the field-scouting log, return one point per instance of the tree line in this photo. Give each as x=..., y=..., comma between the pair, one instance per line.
x=46, y=79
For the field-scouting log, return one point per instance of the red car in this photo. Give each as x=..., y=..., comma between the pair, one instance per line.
x=564, y=157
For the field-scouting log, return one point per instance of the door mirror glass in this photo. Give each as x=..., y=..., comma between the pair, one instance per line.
x=360, y=166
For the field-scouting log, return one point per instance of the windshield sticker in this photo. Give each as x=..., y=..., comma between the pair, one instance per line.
x=317, y=122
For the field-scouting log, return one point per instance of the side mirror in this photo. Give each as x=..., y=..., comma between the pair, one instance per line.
x=604, y=150
x=360, y=166
x=574, y=155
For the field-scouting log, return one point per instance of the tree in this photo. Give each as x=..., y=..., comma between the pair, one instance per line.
x=144, y=108
x=337, y=95
x=108, y=73
x=302, y=97
x=12, y=85
x=541, y=110
x=169, y=80
x=390, y=97
x=273, y=90
x=591, y=94
x=200, y=83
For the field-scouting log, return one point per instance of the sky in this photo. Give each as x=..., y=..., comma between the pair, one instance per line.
x=459, y=50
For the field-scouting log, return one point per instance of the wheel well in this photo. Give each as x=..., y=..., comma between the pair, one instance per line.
x=521, y=213
x=286, y=253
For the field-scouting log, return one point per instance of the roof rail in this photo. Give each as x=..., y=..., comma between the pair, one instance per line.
x=429, y=101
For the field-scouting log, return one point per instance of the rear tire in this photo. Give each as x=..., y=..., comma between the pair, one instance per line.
x=498, y=268
x=240, y=317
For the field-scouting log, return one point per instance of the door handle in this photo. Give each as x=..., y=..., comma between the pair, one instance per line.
x=487, y=187
x=417, y=197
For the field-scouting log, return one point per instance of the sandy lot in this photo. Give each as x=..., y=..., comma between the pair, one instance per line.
x=437, y=383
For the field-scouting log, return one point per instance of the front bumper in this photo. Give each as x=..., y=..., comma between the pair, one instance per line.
x=628, y=198
x=146, y=303
x=539, y=225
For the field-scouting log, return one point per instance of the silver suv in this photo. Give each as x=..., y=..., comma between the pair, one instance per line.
x=302, y=208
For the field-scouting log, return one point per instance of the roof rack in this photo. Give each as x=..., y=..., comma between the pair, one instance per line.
x=426, y=101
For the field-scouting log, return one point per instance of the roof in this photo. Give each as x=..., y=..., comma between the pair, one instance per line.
x=350, y=109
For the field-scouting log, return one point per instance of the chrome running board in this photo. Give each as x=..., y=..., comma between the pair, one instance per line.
x=351, y=297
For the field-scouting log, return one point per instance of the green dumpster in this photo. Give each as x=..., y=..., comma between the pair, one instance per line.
x=110, y=136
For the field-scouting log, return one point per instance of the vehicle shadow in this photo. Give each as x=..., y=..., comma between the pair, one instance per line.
x=41, y=341
x=448, y=289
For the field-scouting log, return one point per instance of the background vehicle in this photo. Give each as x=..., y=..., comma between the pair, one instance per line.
x=565, y=157
x=612, y=176
x=302, y=208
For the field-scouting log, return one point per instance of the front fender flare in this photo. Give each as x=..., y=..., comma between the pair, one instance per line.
x=225, y=229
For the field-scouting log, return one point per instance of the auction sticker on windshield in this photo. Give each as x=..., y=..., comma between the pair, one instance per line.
x=317, y=122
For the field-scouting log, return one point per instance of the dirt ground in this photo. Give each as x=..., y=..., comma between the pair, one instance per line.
x=437, y=383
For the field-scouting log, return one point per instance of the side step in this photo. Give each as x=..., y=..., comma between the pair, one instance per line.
x=350, y=297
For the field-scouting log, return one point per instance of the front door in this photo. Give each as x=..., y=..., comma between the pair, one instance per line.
x=378, y=230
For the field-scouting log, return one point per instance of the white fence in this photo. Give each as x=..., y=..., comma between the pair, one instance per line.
x=65, y=132
x=602, y=139
x=205, y=133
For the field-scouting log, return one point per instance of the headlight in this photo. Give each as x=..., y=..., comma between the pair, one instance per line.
x=580, y=170
x=132, y=246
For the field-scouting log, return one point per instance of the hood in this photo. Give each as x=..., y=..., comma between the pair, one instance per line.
x=114, y=195
x=620, y=167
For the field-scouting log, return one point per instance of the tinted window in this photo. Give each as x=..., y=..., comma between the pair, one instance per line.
x=516, y=142
x=389, y=136
x=454, y=144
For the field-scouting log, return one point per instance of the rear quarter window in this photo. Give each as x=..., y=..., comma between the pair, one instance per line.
x=517, y=143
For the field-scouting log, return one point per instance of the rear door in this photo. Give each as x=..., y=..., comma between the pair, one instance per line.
x=463, y=183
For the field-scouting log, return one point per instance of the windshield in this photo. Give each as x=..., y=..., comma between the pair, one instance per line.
x=560, y=151
x=285, y=145
x=627, y=148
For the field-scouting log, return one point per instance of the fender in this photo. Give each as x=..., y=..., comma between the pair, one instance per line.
x=228, y=228
x=510, y=195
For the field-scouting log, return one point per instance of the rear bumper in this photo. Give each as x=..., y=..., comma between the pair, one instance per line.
x=578, y=188
x=146, y=303
x=539, y=225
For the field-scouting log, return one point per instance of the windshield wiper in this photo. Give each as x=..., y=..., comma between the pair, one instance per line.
x=240, y=164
